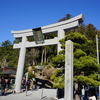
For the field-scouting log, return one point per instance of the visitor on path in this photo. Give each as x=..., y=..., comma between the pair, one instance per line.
x=3, y=86
x=60, y=93
x=24, y=83
x=92, y=93
x=8, y=83
x=34, y=83
x=83, y=93
x=92, y=97
x=28, y=83
x=31, y=85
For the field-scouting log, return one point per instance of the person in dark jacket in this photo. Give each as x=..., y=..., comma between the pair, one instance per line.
x=60, y=93
x=8, y=83
x=3, y=86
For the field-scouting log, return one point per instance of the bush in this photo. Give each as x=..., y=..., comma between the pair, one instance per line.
x=48, y=72
x=30, y=75
x=58, y=79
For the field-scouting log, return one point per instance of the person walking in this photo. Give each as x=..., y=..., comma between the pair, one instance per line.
x=28, y=83
x=3, y=86
x=34, y=83
x=92, y=97
x=8, y=83
x=31, y=85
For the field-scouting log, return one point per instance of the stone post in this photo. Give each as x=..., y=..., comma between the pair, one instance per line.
x=20, y=67
x=61, y=34
x=69, y=70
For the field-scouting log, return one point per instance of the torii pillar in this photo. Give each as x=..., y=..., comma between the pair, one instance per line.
x=59, y=27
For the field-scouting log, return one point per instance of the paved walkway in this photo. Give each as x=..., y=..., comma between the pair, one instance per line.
x=48, y=94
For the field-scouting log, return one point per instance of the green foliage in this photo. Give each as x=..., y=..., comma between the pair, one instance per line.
x=59, y=85
x=85, y=63
x=77, y=45
x=8, y=56
x=87, y=81
x=30, y=75
x=58, y=59
x=62, y=51
x=63, y=46
x=31, y=38
x=17, y=40
x=1, y=69
x=77, y=64
x=93, y=76
x=62, y=41
x=79, y=53
x=6, y=43
x=90, y=32
x=56, y=74
x=76, y=38
x=58, y=79
x=90, y=62
x=67, y=16
x=89, y=65
x=82, y=29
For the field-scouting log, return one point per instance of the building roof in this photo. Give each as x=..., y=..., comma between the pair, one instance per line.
x=13, y=72
x=8, y=70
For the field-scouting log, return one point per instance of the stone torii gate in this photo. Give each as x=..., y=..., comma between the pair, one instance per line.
x=59, y=27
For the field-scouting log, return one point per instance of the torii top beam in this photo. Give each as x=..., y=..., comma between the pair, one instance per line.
x=64, y=25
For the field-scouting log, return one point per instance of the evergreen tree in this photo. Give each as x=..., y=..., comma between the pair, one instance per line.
x=8, y=56
x=85, y=66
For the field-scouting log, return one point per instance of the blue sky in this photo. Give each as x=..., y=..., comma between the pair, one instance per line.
x=18, y=15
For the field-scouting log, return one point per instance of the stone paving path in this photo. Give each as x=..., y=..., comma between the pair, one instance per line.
x=48, y=94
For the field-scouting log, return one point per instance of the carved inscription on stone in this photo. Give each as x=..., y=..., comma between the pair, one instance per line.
x=69, y=71
x=68, y=54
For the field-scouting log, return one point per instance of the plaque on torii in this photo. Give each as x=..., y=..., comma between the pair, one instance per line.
x=38, y=35
x=59, y=27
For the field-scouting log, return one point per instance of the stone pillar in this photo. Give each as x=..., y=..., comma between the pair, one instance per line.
x=69, y=70
x=61, y=34
x=20, y=67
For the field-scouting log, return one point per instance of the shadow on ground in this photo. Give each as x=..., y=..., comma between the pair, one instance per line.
x=7, y=93
x=43, y=83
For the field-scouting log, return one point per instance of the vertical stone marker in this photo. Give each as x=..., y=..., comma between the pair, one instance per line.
x=69, y=70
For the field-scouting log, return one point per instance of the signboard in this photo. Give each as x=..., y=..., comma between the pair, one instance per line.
x=38, y=36
x=39, y=66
